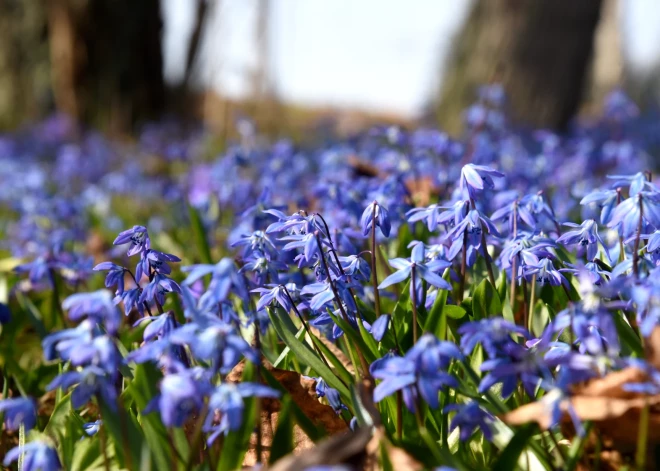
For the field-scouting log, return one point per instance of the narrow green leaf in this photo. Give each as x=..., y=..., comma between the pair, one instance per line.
x=340, y=369
x=306, y=355
x=628, y=336
x=436, y=322
x=508, y=459
x=283, y=439
x=485, y=301
x=236, y=443
x=199, y=233
x=356, y=339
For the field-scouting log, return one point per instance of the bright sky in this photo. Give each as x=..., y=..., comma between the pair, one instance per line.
x=376, y=54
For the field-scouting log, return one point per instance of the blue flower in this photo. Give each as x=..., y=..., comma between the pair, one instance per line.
x=37, y=456
x=225, y=278
x=424, y=271
x=157, y=288
x=470, y=417
x=181, y=394
x=331, y=394
x=636, y=182
x=20, y=410
x=91, y=381
x=421, y=372
x=606, y=199
x=97, y=305
x=115, y=276
x=376, y=214
x=626, y=215
x=227, y=398
x=92, y=428
x=156, y=261
x=5, y=314
x=477, y=177
x=545, y=273
x=138, y=238
x=276, y=293
x=473, y=224
x=586, y=236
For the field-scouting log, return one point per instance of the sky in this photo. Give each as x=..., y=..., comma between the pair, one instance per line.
x=379, y=55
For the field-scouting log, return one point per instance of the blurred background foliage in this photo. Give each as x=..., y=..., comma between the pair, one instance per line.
x=117, y=64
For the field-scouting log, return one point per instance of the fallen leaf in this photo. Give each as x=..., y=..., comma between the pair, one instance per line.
x=303, y=393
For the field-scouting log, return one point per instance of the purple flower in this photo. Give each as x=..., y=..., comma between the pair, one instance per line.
x=97, y=305
x=91, y=381
x=473, y=224
x=545, y=273
x=92, y=428
x=470, y=417
x=37, y=456
x=138, y=238
x=276, y=293
x=477, y=177
x=586, y=236
x=225, y=278
x=378, y=215
x=421, y=372
x=181, y=394
x=227, y=398
x=156, y=261
x=424, y=271
x=20, y=410
x=115, y=276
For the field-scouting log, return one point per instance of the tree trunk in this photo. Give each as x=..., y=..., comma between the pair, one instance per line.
x=99, y=61
x=540, y=50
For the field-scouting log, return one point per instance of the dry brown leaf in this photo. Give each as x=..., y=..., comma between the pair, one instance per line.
x=303, y=393
x=615, y=412
x=652, y=348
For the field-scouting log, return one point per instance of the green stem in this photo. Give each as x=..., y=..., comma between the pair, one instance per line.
x=414, y=303
x=532, y=302
x=461, y=285
x=374, y=274
x=489, y=265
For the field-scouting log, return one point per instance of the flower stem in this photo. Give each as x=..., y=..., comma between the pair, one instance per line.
x=638, y=236
x=514, y=272
x=489, y=265
x=461, y=285
x=399, y=414
x=56, y=296
x=374, y=251
x=414, y=302
x=622, y=250
x=306, y=327
x=532, y=302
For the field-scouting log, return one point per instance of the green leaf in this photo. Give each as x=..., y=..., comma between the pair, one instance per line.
x=199, y=233
x=628, y=336
x=508, y=459
x=485, y=301
x=340, y=369
x=142, y=389
x=306, y=355
x=125, y=434
x=436, y=321
x=454, y=312
x=236, y=443
x=88, y=455
x=58, y=417
x=283, y=438
x=356, y=339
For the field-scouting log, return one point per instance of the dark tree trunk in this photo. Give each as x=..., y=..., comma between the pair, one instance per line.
x=539, y=49
x=24, y=64
x=98, y=60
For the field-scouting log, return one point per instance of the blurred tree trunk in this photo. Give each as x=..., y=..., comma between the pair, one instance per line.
x=540, y=50
x=98, y=60
x=24, y=64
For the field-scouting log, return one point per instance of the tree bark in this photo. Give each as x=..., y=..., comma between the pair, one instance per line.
x=99, y=61
x=540, y=50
